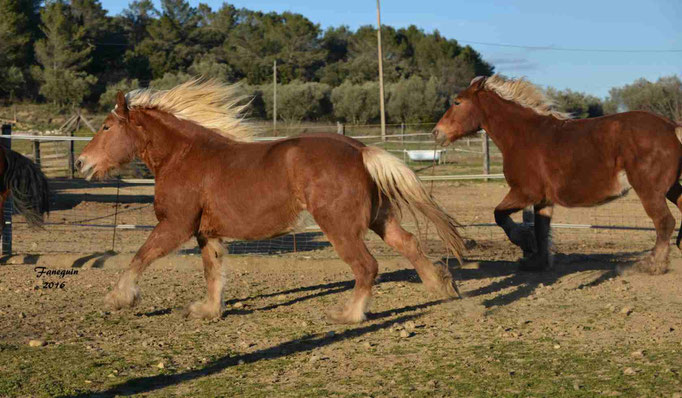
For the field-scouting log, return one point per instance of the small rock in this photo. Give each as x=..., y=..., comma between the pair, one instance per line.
x=22, y=315
x=281, y=297
x=367, y=344
x=629, y=371
x=238, y=305
x=240, y=362
x=88, y=382
x=111, y=375
x=37, y=343
x=576, y=386
x=409, y=325
x=637, y=354
x=314, y=358
x=160, y=365
x=557, y=346
x=405, y=334
x=626, y=311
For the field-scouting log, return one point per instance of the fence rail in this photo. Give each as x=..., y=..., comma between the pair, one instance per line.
x=86, y=214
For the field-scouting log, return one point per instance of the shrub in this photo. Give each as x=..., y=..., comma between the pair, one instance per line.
x=356, y=103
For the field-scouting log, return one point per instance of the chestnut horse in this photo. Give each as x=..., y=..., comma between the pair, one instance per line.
x=212, y=183
x=27, y=184
x=551, y=159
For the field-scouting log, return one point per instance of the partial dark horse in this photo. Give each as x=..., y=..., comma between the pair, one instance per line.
x=22, y=178
x=212, y=183
x=551, y=159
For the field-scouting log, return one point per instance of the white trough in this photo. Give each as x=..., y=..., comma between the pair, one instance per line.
x=424, y=155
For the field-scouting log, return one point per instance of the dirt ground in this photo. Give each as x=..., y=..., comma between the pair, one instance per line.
x=589, y=327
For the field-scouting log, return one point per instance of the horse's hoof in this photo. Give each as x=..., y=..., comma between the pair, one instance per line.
x=346, y=317
x=535, y=263
x=122, y=298
x=203, y=310
x=442, y=284
x=652, y=267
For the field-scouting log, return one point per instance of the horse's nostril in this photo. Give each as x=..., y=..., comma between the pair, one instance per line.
x=79, y=164
x=434, y=131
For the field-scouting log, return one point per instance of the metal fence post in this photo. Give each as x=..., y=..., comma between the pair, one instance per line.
x=7, y=208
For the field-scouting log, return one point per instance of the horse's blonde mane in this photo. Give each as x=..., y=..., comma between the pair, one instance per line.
x=209, y=103
x=524, y=93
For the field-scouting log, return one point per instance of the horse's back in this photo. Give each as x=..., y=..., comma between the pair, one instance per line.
x=588, y=159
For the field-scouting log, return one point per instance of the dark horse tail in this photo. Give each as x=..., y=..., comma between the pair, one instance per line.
x=28, y=186
x=675, y=191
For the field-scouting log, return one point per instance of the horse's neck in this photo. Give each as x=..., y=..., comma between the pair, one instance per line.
x=158, y=140
x=507, y=122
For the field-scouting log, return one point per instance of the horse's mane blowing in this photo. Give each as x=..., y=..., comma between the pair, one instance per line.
x=209, y=103
x=524, y=93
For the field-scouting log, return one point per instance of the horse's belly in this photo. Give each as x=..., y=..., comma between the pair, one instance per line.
x=248, y=227
x=593, y=192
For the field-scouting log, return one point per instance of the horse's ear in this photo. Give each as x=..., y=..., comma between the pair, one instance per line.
x=477, y=82
x=121, y=105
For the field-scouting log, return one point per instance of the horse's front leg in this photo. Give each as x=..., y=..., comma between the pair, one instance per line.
x=518, y=235
x=165, y=237
x=541, y=259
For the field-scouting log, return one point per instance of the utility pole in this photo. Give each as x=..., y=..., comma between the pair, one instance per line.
x=274, y=99
x=381, y=75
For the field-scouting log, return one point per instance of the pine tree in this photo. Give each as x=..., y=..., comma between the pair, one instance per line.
x=63, y=55
x=17, y=33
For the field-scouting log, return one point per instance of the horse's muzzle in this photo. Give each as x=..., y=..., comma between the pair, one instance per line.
x=440, y=137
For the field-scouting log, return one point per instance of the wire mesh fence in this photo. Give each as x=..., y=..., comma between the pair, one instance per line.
x=118, y=214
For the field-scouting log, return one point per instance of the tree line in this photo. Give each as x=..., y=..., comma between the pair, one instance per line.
x=71, y=53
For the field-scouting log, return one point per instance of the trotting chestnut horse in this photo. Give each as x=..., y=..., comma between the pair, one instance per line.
x=551, y=159
x=212, y=183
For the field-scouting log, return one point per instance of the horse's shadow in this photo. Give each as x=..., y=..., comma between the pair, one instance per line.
x=306, y=343
x=524, y=284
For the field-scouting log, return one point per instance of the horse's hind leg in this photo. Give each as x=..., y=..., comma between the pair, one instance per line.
x=658, y=211
x=164, y=238
x=542, y=258
x=353, y=251
x=211, y=254
x=675, y=195
x=436, y=277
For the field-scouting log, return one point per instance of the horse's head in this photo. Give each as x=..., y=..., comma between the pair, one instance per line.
x=464, y=116
x=113, y=146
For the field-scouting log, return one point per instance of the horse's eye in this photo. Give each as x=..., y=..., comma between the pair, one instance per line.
x=105, y=127
x=455, y=102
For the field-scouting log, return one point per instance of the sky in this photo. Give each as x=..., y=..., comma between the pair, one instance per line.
x=642, y=38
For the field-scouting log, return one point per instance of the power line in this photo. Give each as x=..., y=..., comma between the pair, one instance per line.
x=551, y=48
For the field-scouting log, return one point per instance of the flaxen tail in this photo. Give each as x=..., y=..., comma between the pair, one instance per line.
x=402, y=187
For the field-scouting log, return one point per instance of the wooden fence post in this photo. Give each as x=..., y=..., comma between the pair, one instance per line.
x=486, y=155
x=7, y=208
x=36, y=152
x=340, y=128
x=72, y=168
